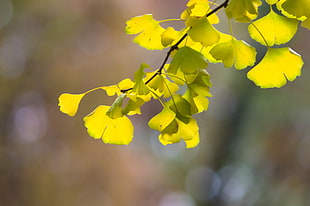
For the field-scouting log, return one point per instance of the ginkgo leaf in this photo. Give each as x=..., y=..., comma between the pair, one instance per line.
x=277, y=66
x=243, y=10
x=168, y=36
x=202, y=31
x=162, y=86
x=273, y=29
x=112, y=131
x=162, y=120
x=306, y=23
x=140, y=88
x=133, y=105
x=149, y=31
x=271, y=1
x=188, y=61
x=234, y=52
x=201, y=85
x=116, y=89
x=116, y=109
x=295, y=9
x=199, y=8
x=186, y=131
x=181, y=107
x=69, y=103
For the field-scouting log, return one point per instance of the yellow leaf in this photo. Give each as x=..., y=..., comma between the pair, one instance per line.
x=273, y=29
x=116, y=89
x=199, y=8
x=69, y=103
x=168, y=36
x=111, y=131
x=149, y=29
x=278, y=65
x=234, y=52
x=188, y=132
x=243, y=10
x=202, y=31
x=162, y=120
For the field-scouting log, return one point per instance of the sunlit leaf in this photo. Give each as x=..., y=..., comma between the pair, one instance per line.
x=272, y=1
x=148, y=29
x=112, y=131
x=69, y=103
x=273, y=29
x=202, y=31
x=234, y=52
x=116, y=89
x=199, y=8
x=243, y=10
x=278, y=66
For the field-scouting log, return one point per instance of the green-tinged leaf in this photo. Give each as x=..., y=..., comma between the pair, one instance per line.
x=133, y=106
x=168, y=36
x=202, y=84
x=234, y=52
x=199, y=8
x=181, y=107
x=187, y=60
x=140, y=88
x=273, y=29
x=116, y=110
x=198, y=102
x=160, y=121
x=299, y=9
x=306, y=23
x=69, y=103
x=112, y=131
x=202, y=31
x=278, y=65
x=243, y=10
x=162, y=86
x=186, y=131
x=149, y=31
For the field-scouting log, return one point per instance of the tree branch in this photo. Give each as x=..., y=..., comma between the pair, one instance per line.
x=175, y=46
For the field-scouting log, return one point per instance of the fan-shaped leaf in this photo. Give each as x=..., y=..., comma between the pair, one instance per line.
x=273, y=29
x=112, y=131
x=278, y=65
x=234, y=52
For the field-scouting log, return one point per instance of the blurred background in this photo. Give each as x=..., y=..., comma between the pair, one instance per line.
x=255, y=143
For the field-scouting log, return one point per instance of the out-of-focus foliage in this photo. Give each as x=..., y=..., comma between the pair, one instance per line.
x=254, y=144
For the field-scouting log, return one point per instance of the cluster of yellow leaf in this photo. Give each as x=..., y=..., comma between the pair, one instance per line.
x=191, y=48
